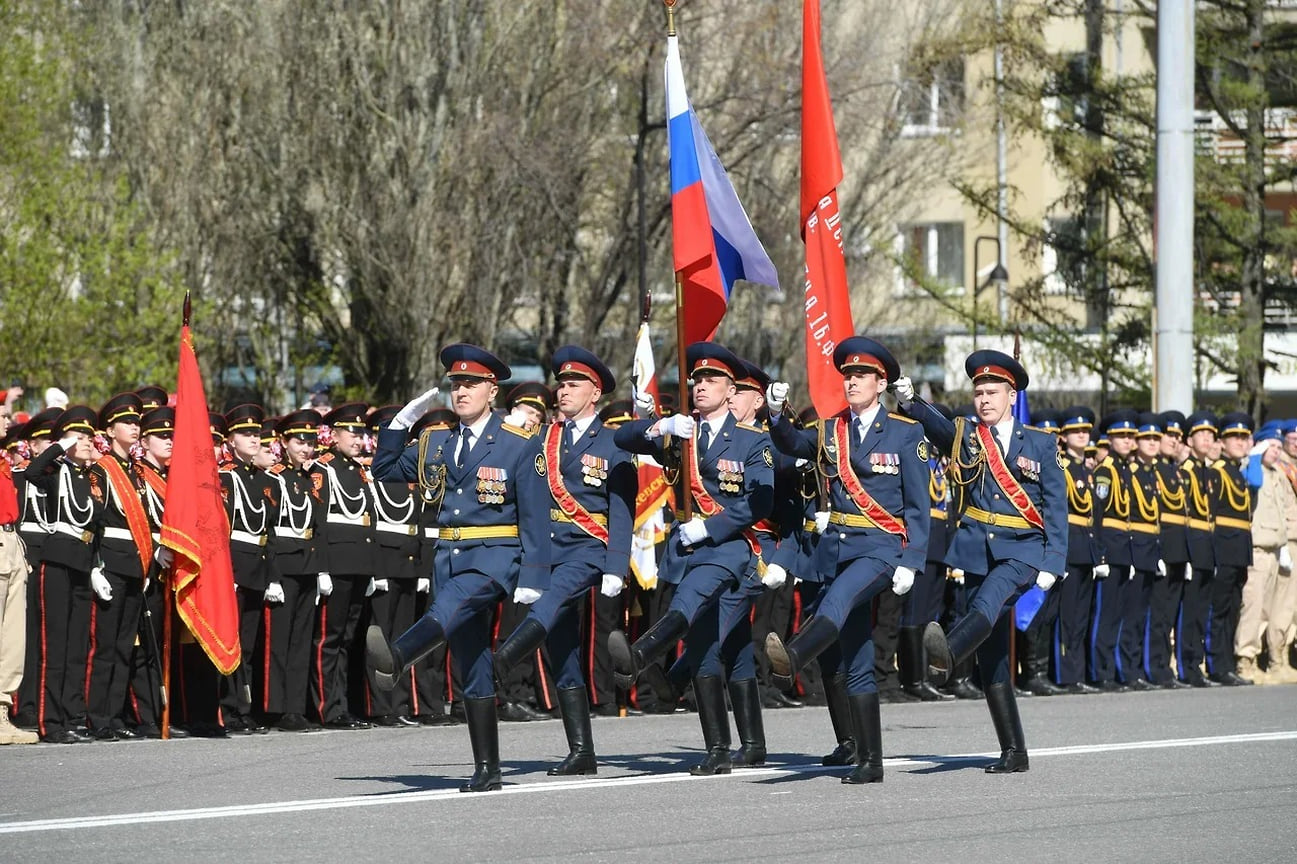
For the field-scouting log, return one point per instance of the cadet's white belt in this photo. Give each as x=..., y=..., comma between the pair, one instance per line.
x=73, y=531
x=294, y=533
x=248, y=537
x=397, y=528
x=339, y=519
x=430, y=533
x=111, y=533
x=31, y=528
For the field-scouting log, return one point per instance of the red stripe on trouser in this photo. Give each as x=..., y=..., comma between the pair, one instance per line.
x=414, y=693
x=593, y=690
x=544, y=685
x=319, y=659
x=40, y=704
x=265, y=678
x=90, y=655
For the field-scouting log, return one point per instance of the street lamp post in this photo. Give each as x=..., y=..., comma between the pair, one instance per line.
x=998, y=276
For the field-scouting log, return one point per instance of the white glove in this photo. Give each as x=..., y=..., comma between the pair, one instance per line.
x=274, y=593
x=1101, y=571
x=164, y=556
x=679, y=425
x=1188, y=574
x=414, y=410
x=99, y=584
x=612, y=585
x=67, y=442
x=902, y=580
x=323, y=586
x=693, y=532
x=423, y=586
x=957, y=575
x=1045, y=581
x=644, y=405
x=775, y=576
x=776, y=396
x=375, y=586
x=516, y=418
x=1285, y=559
x=526, y=596
x=904, y=390
x=144, y=588
x=800, y=463
x=821, y=521
x=1161, y=568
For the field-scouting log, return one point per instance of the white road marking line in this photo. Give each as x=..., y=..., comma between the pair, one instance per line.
x=381, y=799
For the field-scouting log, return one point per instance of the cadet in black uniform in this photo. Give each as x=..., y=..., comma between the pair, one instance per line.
x=1201, y=483
x=1168, y=590
x=1085, y=558
x=34, y=525
x=1112, y=489
x=1232, y=511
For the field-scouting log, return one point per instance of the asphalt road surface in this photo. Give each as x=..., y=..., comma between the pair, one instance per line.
x=1180, y=776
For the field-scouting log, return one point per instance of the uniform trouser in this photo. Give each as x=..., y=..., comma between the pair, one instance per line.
x=847, y=602
x=113, y=628
x=393, y=611
x=432, y=679
x=719, y=643
x=603, y=615
x=1105, y=624
x=239, y=690
x=1283, y=608
x=1254, y=608
x=13, y=614
x=143, y=702
x=335, y=632
x=464, y=607
x=923, y=602
x=1136, y=597
x=700, y=589
x=65, y=602
x=991, y=596
x=771, y=613
x=1223, y=594
x=558, y=611
x=1075, y=594
x=1163, y=606
x=528, y=680
x=287, y=664
x=1191, y=624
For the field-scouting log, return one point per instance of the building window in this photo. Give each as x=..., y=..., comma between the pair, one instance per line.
x=91, y=128
x=932, y=98
x=934, y=251
x=1062, y=260
x=1065, y=101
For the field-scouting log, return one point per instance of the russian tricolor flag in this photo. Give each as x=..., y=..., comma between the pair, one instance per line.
x=713, y=242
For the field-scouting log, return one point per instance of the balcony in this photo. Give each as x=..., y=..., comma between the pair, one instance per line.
x=1213, y=137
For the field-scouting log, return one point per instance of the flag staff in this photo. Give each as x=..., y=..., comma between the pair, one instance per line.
x=168, y=599
x=686, y=446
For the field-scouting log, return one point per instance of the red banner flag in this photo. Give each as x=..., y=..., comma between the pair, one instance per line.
x=828, y=302
x=194, y=525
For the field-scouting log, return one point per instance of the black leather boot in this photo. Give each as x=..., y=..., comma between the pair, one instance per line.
x=710, y=693
x=659, y=681
x=1037, y=662
x=484, y=735
x=745, y=699
x=628, y=659
x=523, y=641
x=866, y=720
x=1008, y=728
x=835, y=694
x=389, y=662
x=787, y=660
x=945, y=651
x=574, y=703
x=912, y=669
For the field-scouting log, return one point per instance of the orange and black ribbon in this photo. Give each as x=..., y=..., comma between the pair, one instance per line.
x=1012, y=488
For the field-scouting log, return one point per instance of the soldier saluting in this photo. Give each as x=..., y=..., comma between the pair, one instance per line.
x=488, y=481
x=1011, y=531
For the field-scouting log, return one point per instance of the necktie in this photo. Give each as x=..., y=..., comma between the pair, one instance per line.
x=571, y=434
x=704, y=439
x=995, y=436
x=464, y=435
x=860, y=430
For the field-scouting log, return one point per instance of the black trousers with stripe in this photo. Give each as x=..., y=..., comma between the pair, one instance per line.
x=64, y=634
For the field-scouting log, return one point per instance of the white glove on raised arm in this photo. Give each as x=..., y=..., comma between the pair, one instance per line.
x=902, y=580
x=677, y=425
x=776, y=396
x=413, y=410
x=67, y=442
x=612, y=585
x=644, y=405
x=904, y=390
x=775, y=576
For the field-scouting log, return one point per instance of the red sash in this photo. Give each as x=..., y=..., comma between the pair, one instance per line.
x=132, y=508
x=1004, y=477
x=871, y=509
x=708, y=506
x=565, y=500
x=154, y=481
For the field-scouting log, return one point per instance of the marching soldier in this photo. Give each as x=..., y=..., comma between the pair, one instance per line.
x=1085, y=559
x=1200, y=483
x=488, y=480
x=342, y=484
x=728, y=476
x=1011, y=506
x=1112, y=486
x=876, y=466
x=1167, y=591
x=67, y=556
x=297, y=556
x=591, y=484
x=1232, y=512
x=249, y=504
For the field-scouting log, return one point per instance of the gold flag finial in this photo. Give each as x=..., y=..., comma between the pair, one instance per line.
x=671, y=15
